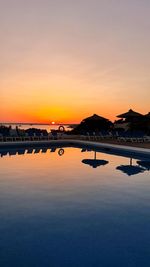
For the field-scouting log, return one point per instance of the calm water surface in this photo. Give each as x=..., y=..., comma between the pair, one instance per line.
x=57, y=211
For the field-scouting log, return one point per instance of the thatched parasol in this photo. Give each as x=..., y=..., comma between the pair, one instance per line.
x=130, y=114
x=95, y=162
x=95, y=117
x=130, y=169
x=94, y=123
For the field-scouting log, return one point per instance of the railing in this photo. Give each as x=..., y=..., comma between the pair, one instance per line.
x=87, y=137
x=37, y=138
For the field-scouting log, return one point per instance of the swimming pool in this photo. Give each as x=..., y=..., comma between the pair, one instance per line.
x=70, y=207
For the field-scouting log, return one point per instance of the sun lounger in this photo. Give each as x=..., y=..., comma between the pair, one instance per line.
x=146, y=138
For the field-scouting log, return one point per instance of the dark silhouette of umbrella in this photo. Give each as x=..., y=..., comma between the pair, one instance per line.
x=92, y=124
x=144, y=163
x=95, y=162
x=130, y=169
x=130, y=114
x=95, y=117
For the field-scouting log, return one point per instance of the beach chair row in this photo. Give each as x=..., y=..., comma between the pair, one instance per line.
x=23, y=139
x=134, y=139
x=38, y=138
x=96, y=137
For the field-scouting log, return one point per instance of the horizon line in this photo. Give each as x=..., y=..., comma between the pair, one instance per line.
x=36, y=123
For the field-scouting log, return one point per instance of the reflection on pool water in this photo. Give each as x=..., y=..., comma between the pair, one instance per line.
x=73, y=208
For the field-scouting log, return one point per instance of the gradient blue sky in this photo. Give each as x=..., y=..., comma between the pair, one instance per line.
x=62, y=60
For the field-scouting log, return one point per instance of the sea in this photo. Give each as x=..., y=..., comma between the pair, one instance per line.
x=47, y=127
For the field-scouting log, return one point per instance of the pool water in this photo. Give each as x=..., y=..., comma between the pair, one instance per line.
x=57, y=210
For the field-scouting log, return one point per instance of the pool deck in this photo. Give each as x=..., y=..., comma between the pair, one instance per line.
x=117, y=149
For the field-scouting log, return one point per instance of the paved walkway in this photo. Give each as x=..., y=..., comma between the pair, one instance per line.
x=115, y=142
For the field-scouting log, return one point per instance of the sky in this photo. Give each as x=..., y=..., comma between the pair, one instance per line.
x=63, y=60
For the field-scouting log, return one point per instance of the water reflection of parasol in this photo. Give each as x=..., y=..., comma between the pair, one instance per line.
x=130, y=169
x=144, y=163
x=95, y=162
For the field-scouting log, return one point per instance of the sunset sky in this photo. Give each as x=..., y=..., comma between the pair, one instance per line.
x=63, y=60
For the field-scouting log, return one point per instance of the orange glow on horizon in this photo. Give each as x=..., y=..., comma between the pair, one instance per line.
x=48, y=74
x=62, y=116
